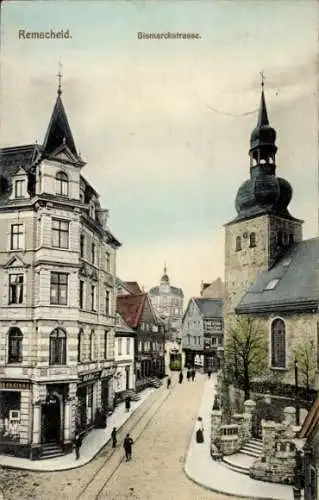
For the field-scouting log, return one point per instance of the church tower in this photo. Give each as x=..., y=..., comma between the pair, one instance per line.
x=263, y=228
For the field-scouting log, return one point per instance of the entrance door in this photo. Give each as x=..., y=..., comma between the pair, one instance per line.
x=51, y=420
x=127, y=378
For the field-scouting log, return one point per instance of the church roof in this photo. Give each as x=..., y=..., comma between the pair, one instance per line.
x=292, y=284
x=155, y=290
x=210, y=308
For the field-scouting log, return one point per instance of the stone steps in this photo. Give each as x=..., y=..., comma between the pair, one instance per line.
x=252, y=448
x=51, y=450
x=242, y=469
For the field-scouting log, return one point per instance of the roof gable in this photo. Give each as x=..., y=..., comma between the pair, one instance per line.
x=64, y=154
x=191, y=303
x=131, y=307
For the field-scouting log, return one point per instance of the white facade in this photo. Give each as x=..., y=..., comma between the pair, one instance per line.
x=124, y=379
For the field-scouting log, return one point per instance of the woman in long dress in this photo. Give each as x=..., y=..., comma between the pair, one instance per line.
x=199, y=430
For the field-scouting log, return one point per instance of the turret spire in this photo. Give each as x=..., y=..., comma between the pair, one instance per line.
x=60, y=75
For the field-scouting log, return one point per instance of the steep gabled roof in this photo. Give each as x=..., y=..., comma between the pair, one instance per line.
x=311, y=421
x=131, y=308
x=210, y=308
x=59, y=131
x=133, y=287
x=292, y=284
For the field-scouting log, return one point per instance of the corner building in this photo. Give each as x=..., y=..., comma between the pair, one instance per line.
x=57, y=297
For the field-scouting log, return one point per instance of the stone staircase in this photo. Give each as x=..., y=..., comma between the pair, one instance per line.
x=253, y=448
x=243, y=460
x=51, y=450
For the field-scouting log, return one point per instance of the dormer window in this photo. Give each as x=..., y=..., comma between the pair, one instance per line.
x=62, y=184
x=82, y=198
x=238, y=243
x=19, y=188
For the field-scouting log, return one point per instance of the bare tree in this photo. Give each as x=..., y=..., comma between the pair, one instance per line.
x=305, y=355
x=246, y=352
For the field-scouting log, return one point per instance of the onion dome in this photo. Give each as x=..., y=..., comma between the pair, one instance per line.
x=165, y=278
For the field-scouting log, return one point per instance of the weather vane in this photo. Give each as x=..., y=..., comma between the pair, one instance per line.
x=60, y=75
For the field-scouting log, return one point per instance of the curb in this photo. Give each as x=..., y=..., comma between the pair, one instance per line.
x=77, y=466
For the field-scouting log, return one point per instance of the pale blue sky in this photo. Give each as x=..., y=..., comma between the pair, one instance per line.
x=166, y=165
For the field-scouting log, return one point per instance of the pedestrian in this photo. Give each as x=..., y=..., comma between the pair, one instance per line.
x=181, y=376
x=209, y=372
x=77, y=445
x=114, y=437
x=188, y=374
x=199, y=430
x=169, y=381
x=128, y=441
x=128, y=403
x=193, y=374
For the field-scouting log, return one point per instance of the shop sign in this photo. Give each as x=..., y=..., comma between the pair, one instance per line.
x=20, y=386
x=90, y=377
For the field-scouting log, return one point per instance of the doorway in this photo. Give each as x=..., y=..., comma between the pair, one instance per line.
x=51, y=420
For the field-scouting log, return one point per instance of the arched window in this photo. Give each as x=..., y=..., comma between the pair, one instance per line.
x=252, y=240
x=92, y=345
x=80, y=336
x=58, y=347
x=15, y=338
x=238, y=243
x=278, y=343
x=62, y=184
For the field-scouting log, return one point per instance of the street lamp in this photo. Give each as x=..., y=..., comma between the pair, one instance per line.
x=297, y=394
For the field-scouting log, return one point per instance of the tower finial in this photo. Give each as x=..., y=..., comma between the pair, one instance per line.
x=262, y=76
x=60, y=75
x=165, y=268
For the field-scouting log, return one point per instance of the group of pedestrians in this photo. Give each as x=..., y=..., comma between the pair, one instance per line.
x=127, y=444
x=190, y=374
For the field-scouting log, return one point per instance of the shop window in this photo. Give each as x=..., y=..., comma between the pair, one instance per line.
x=57, y=347
x=15, y=339
x=16, y=288
x=59, y=289
x=17, y=237
x=252, y=240
x=278, y=343
x=10, y=406
x=60, y=233
x=62, y=184
x=238, y=243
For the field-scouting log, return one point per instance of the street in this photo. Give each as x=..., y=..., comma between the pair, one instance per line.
x=157, y=465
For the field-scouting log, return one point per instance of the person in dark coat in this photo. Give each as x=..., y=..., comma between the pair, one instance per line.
x=77, y=445
x=181, y=376
x=199, y=430
x=188, y=375
x=128, y=403
x=169, y=382
x=193, y=374
x=209, y=372
x=114, y=437
x=127, y=445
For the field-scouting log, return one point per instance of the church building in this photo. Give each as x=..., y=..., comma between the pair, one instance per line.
x=57, y=297
x=270, y=271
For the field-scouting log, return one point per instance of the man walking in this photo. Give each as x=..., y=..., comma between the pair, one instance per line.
x=181, y=376
x=169, y=381
x=128, y=441
x=128, y=403
x=77, y=445
x=114, y=437
x=193, y=374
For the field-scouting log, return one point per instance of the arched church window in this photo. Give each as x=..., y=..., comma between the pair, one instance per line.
x=57, y=347
x=252, y=240
x=15, y=339
x=238, y=243
x=62, y=184
x=278, y=343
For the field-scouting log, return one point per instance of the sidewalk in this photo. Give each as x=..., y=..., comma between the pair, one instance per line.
x=215, y=476
x=92, y=443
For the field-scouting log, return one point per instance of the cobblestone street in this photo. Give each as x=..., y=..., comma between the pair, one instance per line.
x=157, y=465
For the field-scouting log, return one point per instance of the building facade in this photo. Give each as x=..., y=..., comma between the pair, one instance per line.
x=124, y=377
x=167, y=301
x=202, y=333
x=271, y=273
x=57, y=301
x=138, y=314
x=212, y=290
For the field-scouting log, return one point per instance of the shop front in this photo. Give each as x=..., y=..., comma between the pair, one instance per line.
x=107, y=391
x=14, y=422
x=86, y=401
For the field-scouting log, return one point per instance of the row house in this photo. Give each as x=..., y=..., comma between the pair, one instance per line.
x=124, y=348
x=203, y=333
x=57, y=300
x=149, y=350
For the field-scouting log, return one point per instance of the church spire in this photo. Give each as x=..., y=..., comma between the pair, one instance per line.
x=59, y=131
x=262, y=115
